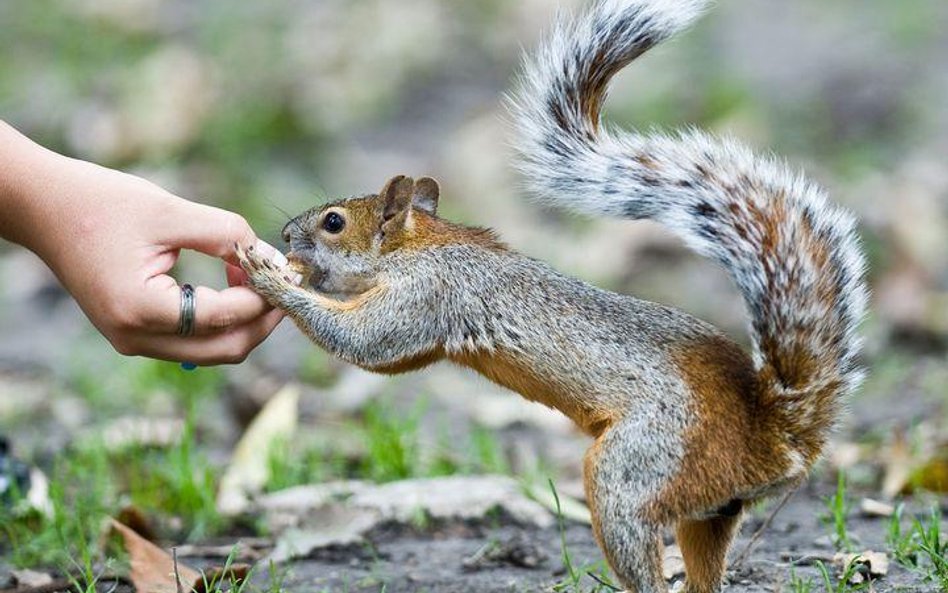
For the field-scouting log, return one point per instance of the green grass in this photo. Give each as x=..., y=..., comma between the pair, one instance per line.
x=81, y=496
x=798, y=584
x=577, y=575
x=138, y=381
x=902, y=543
x=288, y=466
x=922, y=548
x=837, y=514
x=934, y=548
x=316, y=368
x=488, y=455
x=89, y=484
x=842, y=583
x=177, y=480
x=391, y=437
x=394, y=449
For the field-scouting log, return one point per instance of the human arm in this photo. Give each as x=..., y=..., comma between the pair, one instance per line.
x=111, y=239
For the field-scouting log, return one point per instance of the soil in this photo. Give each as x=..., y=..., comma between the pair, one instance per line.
x=444, y=558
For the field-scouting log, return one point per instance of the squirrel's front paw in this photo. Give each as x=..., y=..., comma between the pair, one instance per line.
x=266, y=277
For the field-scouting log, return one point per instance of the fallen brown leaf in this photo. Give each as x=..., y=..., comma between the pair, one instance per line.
x=235, y=573
x=136, y=520
x=153, y=569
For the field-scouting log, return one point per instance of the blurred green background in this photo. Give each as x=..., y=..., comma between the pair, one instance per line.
x=268, y=107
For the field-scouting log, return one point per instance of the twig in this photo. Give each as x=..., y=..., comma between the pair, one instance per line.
x=177, y=577
x=599, y=580
x=760, y=530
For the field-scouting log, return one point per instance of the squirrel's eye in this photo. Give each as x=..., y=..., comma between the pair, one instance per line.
x=333, y=223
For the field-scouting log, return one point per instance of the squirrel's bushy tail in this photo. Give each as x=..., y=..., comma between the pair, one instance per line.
x=794, y=256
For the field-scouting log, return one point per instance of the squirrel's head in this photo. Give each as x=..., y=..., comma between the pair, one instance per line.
x=338, y=246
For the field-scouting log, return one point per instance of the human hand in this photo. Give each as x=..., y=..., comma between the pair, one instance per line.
x=112, y=238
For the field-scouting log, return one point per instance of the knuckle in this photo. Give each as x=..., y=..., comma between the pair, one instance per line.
x=221, y=320
x=236, y=351
x=237, y=226
x=236, y=357
x=124, y=346
x=121, y=318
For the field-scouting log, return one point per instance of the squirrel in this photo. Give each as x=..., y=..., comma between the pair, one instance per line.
x=689, y=429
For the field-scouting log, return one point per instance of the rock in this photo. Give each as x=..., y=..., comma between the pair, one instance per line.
x=31, y=579
x=673, y=564
x=874, y=508
x=516, y=551
x=569, y=507
x=289, y=508
x=868, y=565
x=338, y=526
x=454, y=498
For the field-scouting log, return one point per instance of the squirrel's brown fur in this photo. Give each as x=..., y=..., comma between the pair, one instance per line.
x=688, y=428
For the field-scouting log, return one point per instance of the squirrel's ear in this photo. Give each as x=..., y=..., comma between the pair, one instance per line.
x=396, y=200
x=425, y=195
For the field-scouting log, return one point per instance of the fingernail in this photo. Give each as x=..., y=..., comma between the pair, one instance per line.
x=297, y=279
x=272, y=253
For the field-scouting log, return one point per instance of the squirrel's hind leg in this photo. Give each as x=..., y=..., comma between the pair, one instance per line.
x=626, y=473
x=623, y=471
x=704, y=544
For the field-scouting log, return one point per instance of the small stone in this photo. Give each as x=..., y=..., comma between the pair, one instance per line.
x=673, y=564
x=874, y=508
x=869, y=564
x=338, y=526
x=31, y=579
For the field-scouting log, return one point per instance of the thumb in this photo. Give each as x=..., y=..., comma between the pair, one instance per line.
x=214, y=231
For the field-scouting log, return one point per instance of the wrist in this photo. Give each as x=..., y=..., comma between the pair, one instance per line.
x=27, y=173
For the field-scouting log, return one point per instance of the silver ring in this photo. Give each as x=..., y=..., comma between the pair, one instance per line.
x=186, y=317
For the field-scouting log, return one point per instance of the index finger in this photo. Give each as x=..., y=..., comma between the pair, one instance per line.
x=215, y=231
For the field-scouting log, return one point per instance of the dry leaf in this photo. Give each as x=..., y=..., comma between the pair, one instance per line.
x=933, y=475
x=136, y=520
x=248, y=470
x=898, y=465
x=235, y=573
x=152, y=569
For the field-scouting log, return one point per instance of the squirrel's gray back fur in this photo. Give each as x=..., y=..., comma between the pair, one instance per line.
x=794, y=256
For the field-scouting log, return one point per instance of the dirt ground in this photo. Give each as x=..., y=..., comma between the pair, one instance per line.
x=442, y=559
